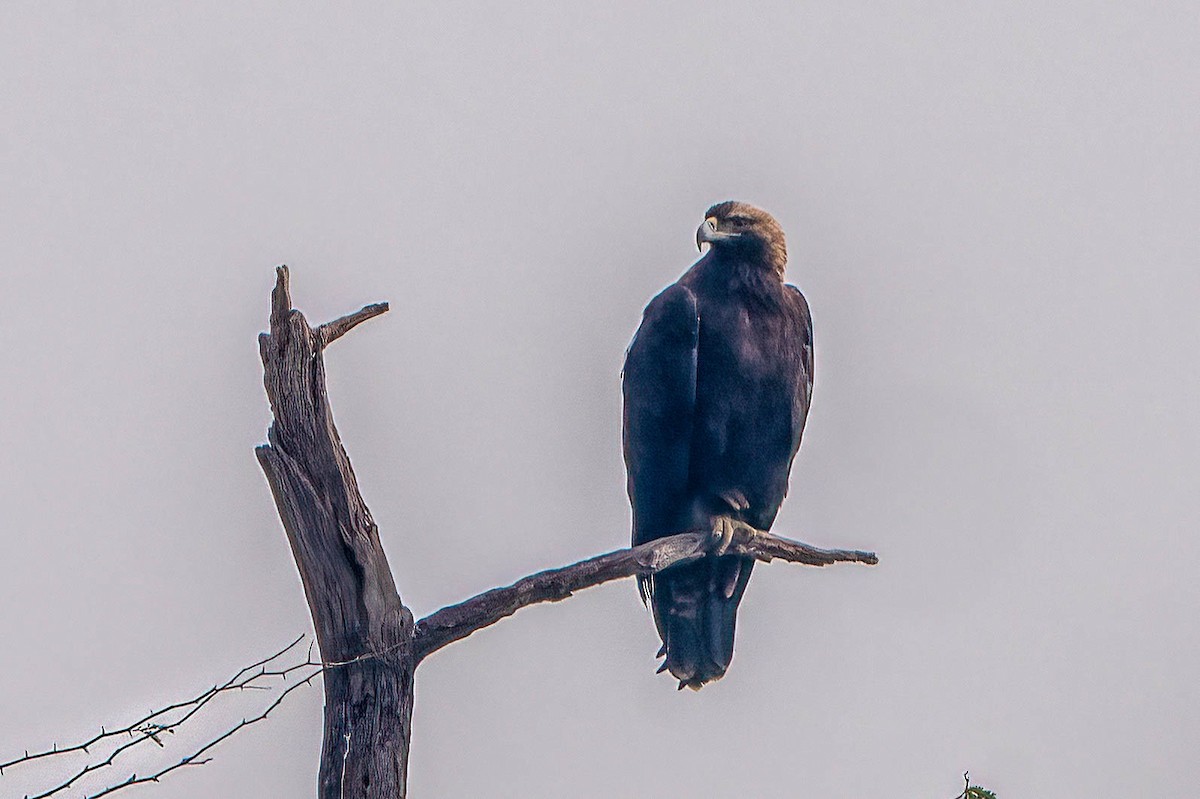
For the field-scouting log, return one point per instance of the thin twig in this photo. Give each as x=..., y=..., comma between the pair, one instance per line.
x=195, y=759
x=237, y=682
x=147, y=730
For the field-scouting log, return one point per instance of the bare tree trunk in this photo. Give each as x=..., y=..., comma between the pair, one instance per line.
x=370, y=646
x=355, y=607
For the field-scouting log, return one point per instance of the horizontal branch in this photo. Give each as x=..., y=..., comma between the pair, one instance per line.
x=458, y=621
x=332, y=331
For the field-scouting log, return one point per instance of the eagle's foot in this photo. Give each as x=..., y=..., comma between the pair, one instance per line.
x=724, y=529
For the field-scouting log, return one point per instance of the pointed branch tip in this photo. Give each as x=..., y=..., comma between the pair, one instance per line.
x=281, y=296
x=332, y=331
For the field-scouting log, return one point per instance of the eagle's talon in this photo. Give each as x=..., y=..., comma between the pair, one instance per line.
x=724, y=529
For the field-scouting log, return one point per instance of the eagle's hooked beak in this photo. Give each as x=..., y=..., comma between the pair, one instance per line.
x=707, y=233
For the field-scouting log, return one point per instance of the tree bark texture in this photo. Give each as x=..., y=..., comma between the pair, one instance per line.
x=353, y=600
x=370, y=646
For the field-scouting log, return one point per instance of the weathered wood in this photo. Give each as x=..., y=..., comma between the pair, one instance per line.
x=353, y=600
x=458, y=621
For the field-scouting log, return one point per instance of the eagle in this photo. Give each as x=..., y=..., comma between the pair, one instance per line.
x=716, y=384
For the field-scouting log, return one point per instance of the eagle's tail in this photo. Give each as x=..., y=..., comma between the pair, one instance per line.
x=695, y=610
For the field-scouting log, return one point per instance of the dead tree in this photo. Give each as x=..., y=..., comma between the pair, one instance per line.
x=370, y=645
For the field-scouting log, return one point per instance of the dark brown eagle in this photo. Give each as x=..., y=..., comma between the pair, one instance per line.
x=717, y=384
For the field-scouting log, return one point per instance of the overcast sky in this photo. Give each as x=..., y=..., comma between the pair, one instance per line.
x=992, y=209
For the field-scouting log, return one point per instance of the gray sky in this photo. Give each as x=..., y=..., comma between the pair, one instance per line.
x=992, y=210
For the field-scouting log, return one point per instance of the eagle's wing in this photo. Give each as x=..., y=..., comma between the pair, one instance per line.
x=803, y=396
x=659, y=384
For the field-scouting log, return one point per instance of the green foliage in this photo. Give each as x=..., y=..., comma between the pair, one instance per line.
x=974, y=791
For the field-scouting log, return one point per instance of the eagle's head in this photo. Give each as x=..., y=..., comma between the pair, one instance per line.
x=745, y=232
